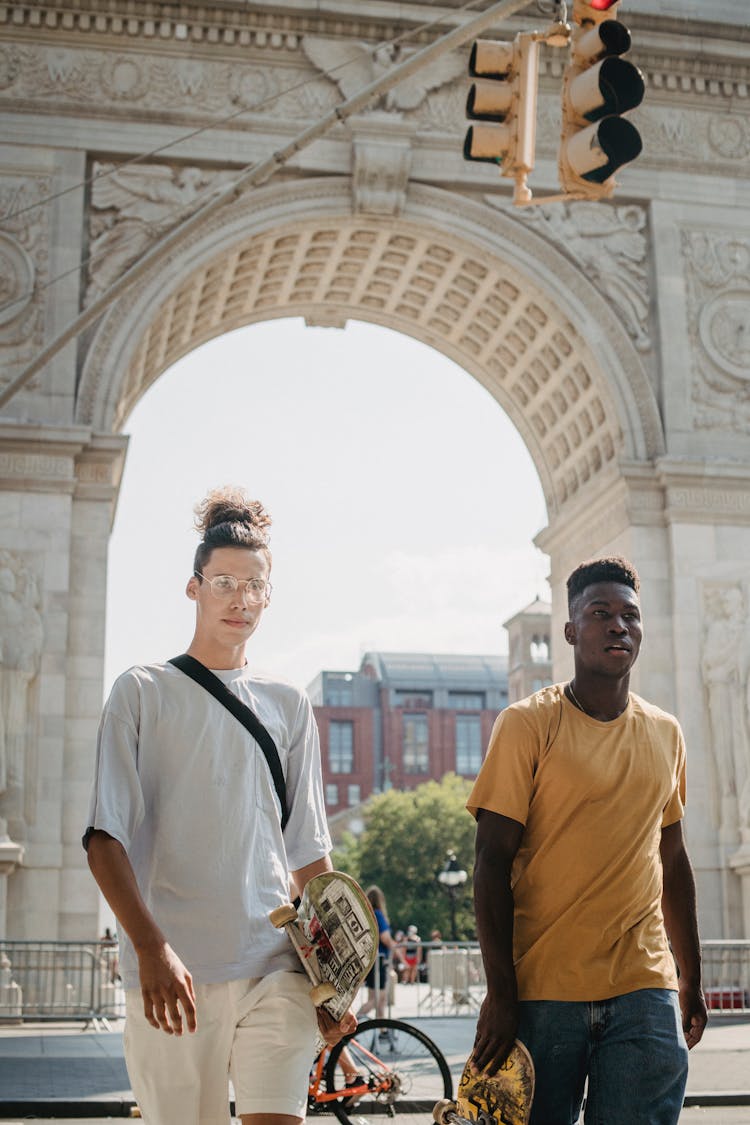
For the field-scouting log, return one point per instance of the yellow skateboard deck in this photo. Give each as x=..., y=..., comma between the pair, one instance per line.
x=501, y=1099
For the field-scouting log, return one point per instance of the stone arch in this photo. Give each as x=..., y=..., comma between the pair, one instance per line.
x=464, y=278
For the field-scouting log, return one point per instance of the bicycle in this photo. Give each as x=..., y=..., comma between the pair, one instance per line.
x=399, y=1070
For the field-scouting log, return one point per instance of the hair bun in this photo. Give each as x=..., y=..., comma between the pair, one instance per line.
x=231, y=505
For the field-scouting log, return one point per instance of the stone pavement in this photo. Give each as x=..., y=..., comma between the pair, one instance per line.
x=62, y=1070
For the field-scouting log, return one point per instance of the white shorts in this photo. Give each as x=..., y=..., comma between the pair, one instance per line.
x=262, y=1032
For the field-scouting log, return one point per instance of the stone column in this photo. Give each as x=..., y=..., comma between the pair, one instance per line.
x=45, y=485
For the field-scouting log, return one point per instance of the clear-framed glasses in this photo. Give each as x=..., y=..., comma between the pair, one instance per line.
x=225, y=585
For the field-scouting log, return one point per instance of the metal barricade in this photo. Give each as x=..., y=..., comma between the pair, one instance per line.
x=455, y=983
x=59, y=980
x=726, y=976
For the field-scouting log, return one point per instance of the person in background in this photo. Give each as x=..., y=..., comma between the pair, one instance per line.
x=412, y=955
x=377, y=979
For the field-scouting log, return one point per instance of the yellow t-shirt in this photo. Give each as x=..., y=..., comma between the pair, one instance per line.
x=587, y=878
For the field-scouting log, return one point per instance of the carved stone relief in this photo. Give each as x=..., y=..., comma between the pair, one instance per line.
x=718, y=285
x=355, y=65
x=610, y=245
x=699, y=138
x=24, y=268
x=132, y=206
x=21, y=642
x=71, y=78
x=724, y=666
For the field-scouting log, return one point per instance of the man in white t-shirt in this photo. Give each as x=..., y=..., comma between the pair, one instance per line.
x=185, y=840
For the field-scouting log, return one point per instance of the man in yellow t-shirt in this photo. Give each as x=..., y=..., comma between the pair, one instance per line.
x=582, y=879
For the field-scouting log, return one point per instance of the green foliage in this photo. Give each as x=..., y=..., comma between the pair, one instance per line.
x=403, y=847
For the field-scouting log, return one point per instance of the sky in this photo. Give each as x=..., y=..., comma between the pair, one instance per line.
x=404, y=502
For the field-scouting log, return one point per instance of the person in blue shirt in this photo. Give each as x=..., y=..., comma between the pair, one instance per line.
x=377, y=993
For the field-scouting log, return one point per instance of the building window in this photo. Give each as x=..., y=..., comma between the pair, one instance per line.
x=466, y=700
x=537, y=685
x=539, y=650
x=339, y=693
x=416, y=744
x=332, y=794
x=353, y=795
x=468, y=744
x=412, y=697
x=340, y=747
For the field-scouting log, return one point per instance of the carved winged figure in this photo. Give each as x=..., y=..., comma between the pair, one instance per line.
x=353, y=66
x=133, y=205
x=610, y=244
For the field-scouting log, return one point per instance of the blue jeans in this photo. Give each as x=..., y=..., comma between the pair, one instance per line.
x=631, y=1048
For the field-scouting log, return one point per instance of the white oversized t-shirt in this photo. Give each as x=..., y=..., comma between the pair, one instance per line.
x=187, y=792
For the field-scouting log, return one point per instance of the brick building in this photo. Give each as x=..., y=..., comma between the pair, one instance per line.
x=404, y=718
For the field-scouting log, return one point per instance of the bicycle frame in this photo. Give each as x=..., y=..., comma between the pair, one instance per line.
x=321, y=1096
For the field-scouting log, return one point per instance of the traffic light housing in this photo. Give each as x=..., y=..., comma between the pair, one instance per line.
x=594, y=11
x=503, y=103
x=599, y=86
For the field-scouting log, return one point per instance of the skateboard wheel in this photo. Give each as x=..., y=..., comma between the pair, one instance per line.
x=282, y=915
x=322, y=992
x=442, y=1109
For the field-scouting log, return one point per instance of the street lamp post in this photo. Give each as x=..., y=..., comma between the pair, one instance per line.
x=450, y=879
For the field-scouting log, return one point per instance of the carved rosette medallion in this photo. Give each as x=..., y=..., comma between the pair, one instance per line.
x=123, y=78
x=718, y=284
x=729, y=136
x=24, y=268
x=16, y=279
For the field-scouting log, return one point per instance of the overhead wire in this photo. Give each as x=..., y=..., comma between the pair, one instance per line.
x=396, y=41
x=86, y=261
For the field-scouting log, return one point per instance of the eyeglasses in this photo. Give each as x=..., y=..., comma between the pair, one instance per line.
x=224, y=585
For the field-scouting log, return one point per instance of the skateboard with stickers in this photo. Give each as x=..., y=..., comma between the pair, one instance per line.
x=335, y=934
x=501, y=1099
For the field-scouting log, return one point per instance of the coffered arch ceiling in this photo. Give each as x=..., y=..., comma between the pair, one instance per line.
x=472, y=284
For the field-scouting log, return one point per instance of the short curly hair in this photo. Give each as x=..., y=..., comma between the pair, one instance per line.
x=612, y=569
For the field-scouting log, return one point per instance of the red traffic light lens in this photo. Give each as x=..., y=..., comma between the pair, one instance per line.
x=602, y=5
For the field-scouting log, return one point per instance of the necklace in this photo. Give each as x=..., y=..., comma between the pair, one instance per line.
x=580, y=706
x=575, y=699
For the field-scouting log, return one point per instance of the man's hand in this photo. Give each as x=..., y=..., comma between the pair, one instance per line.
x=166, y=985
x=694, y=1014
x=496, y=1032
x=331, y=1031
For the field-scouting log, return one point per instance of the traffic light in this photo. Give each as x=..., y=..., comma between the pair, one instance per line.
x=598, y=87
x=503, y=101
x=594, y=11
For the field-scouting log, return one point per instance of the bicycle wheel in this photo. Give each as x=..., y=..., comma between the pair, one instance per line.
x=404, y=1071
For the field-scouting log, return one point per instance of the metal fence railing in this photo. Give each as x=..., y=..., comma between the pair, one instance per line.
x=59, y=980
x=726, y=976
x=451, y=981
x=66, y=980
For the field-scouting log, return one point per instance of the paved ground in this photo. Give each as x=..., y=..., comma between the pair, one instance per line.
x=84, y=1071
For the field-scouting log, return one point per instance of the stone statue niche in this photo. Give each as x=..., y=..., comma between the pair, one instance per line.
x=21, y=640
x=724, y=665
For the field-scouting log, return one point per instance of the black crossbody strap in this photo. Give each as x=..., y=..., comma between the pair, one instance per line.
x=250, y=721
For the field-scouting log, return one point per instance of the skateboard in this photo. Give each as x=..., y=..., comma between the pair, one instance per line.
x=503, y=1099
x=335, y=934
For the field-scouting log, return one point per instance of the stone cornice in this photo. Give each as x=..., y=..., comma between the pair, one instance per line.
x=667, y=47
x=67, y=459
x=707, y=492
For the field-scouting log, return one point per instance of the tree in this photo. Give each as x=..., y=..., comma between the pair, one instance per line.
x=403, y=846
